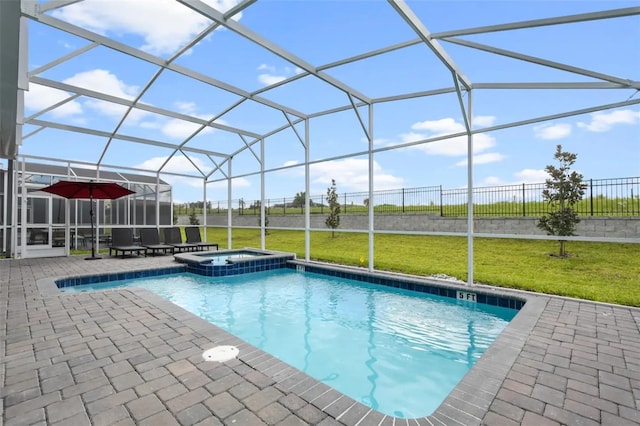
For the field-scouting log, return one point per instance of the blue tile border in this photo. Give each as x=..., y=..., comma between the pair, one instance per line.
x=445, y=289
x=94, y=279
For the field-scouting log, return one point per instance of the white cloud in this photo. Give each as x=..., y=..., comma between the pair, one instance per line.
x=180, y=164
x=526, y=176
x=177, y=164
x=164, y=25
x=483, y=120
x=552, y=131
x=176, y=128
x=40, y=97
x=273, y=75
x=444, y=126
x=266, y=67
x=490, y=181
x=351, y=174
x=489, y=157
x=295, y=70
x=380, y=141
x=180, y=129
x=269, y=79
x=236, y=183
x=531, y=176
x=185, y=107
x=412, y=137
x=450, y=147
x=604, y=121
x=104, y=81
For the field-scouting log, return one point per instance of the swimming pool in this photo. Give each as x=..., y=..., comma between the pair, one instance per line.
x=397, y=351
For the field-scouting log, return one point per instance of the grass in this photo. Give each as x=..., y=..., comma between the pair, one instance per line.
x=604, y=272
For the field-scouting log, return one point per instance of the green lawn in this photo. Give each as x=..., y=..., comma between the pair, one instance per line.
x=606, y=272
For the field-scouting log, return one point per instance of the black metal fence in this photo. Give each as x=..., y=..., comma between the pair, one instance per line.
x=603, y=197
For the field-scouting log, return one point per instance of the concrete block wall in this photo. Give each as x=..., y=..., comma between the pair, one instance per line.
x=611, y=227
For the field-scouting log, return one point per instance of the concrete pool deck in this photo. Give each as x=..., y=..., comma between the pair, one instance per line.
x=129, y=357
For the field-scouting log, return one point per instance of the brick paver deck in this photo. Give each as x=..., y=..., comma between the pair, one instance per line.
x=129, y=357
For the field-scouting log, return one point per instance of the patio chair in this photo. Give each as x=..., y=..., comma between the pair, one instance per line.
x=193, y=237
x=172, y=236
x=150, y=240
x=58, y=238
x=122, y=241
x=38, y=236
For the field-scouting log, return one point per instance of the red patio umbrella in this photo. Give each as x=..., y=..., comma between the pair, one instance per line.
x=88, y=190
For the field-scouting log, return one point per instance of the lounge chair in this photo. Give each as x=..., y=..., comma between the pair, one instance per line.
x=150, y=240
x=122, y=241
x=193, y=237
x=173, y=237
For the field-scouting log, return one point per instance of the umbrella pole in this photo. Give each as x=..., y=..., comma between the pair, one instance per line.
x=93, y=236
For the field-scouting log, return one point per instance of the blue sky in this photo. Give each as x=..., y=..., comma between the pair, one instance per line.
x=321, y=32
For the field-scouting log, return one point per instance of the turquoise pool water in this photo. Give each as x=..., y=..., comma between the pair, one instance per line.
x=397, y=351
x=221, y=258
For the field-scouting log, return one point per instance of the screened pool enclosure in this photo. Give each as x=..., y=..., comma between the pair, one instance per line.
x=260, y=99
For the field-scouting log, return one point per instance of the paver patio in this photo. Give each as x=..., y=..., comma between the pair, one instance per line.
x=130, y=357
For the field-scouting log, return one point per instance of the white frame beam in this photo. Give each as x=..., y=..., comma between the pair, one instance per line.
x=414, y=22
x=209, y=12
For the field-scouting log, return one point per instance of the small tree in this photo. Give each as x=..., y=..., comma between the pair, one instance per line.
x=563, y=190
x=193, y=219
x=333, y=220
x=299, y=199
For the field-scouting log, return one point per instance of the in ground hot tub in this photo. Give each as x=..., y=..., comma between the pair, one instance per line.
x=232, y=262
x=228, y=256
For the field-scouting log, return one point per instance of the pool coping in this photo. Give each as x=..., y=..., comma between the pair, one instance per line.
x=196, y=257
x=467, y=403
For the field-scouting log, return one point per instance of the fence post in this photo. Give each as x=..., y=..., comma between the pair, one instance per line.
x=591, y=194
x=524, y=203
x=402, y=200
x=345, y=202
x=441, y=208
x=284, y=205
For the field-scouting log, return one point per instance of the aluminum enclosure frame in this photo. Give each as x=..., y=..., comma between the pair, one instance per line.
x=221, y=160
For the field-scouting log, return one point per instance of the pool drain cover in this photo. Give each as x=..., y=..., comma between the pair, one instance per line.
x=220, y=353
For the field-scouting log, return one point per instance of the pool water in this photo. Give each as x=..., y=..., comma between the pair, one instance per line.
x=397, y=351
x=221, y=258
